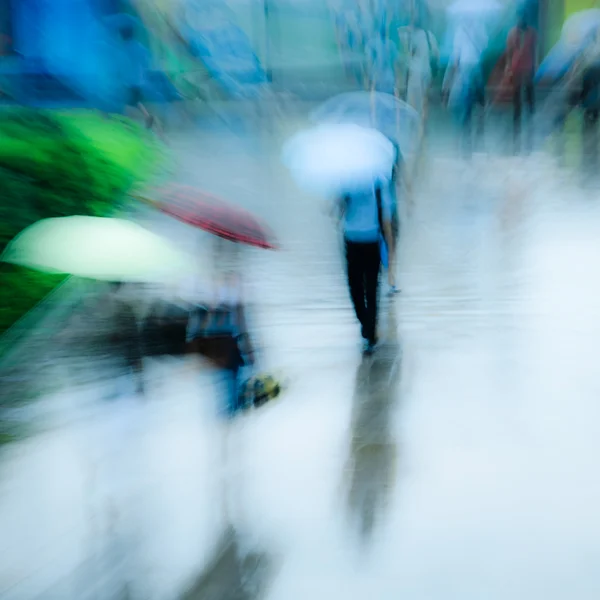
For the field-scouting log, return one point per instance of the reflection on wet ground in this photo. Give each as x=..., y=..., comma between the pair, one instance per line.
x=462, y=455
x=235, y=574
x=373, y=455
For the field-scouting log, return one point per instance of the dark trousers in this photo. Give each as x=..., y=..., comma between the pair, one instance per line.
x=590, y=140
x=523, y=86
x=363, y=263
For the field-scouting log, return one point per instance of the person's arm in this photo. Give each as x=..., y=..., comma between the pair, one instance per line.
x=387, y=207
x=452, y=66
x=244, y=340
x=449, y=78
x=433, y=46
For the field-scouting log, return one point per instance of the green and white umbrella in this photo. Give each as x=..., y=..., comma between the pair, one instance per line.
x=97, y=248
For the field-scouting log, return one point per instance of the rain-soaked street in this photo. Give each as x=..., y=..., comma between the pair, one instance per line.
x=457, y=462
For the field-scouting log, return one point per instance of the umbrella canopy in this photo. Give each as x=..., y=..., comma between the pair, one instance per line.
x=473, y=7
x=577, y=42
x=396, y=119
x=207, y=212
x=97, y=248
x=580, y=26
x=333, y=158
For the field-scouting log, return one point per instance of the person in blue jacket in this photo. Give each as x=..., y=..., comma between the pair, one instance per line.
x=367, y=217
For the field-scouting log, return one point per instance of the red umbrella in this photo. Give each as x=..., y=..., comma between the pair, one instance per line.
x=212, y=214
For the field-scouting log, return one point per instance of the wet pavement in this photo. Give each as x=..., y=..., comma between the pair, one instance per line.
x=457, y=462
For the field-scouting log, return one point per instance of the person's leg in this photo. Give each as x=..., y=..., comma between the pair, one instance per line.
x=372, y=266
x=356, y=281
x=516, y=114
x=231, y=390
x=530, y=95
x=132, y=357
x=559, y=131
x=480, y=127
x=590, y=142
x=467, y=132
x=594, y=136
x=585, y=140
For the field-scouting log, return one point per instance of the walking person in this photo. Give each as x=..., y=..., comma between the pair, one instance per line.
x=218, y=330
x=367, y=217
x=520, y=64
x=423, y=56
x=351, y=44
x=590, y=101
x=584, y=91
x=125, y=341
x=382, y=55
x=463, y=86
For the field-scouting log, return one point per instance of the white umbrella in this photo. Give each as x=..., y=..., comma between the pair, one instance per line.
x=333, y=158
x=395, y=118
x=97, y=248
x=473, y=7
x=580, y=25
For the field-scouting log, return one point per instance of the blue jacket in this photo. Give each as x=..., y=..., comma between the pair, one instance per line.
x=361, y=215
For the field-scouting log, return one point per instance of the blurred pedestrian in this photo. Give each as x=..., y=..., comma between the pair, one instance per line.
x=463, y=86
x=584, y=92
x=520, y=66
x=423, y=55
x=125, y=341
x=367, y=218
x=218, y=328
x=351, y=43
x=382, y=56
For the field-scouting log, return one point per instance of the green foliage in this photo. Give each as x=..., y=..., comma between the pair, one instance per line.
x=21, y=290
x=54, y=165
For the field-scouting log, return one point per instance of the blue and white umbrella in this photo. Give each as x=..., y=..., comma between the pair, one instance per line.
x=393, y=117
x=473, y=8
x=333, y=158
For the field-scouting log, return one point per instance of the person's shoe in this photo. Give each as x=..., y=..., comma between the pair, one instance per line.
x=370, y=347
x=393, y=290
